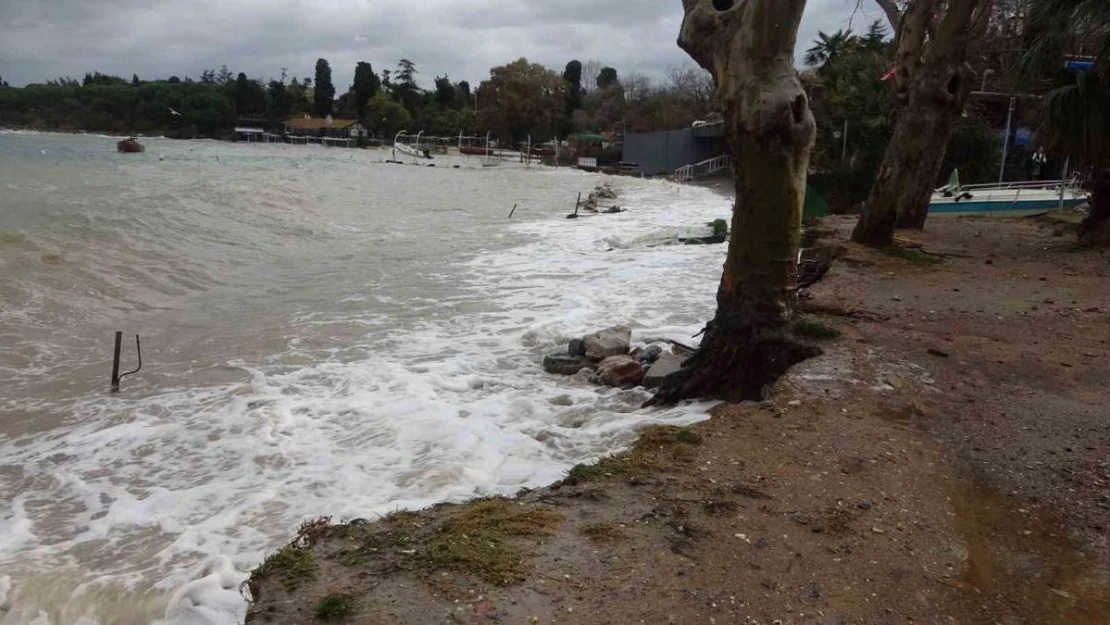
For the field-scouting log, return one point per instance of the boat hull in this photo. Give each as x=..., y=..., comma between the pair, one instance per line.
x=408, y=150
x=1004, y=204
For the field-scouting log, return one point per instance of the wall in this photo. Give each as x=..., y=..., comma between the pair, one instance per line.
x=664, y=152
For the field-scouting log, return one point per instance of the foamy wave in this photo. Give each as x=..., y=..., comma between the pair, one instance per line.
x=199, y=483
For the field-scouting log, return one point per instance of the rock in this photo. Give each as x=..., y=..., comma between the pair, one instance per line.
x=612, y=210
x=561, y=400
x=566, y=365
x=620, y=371
x=664, y=365
x=651, y=354
x=606, y=193
x=585, y=377
x=615, y=341
x=130, y=146
x=679, y=349
x=577, y=347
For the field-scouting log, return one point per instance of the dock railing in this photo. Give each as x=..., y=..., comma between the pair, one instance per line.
x=707, y=167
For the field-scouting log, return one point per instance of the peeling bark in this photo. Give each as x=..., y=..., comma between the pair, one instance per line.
x=748, y=46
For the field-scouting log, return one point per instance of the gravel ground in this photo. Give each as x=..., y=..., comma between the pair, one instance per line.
x=945, y=461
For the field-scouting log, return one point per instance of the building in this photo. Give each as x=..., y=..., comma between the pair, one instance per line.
x=249, y=133
x=325, y=130
x=654, y=153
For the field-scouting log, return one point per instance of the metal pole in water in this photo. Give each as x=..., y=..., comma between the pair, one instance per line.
x=1006, y=143
x=115, y=363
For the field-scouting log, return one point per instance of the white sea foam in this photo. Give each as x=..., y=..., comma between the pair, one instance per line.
x=163, y=503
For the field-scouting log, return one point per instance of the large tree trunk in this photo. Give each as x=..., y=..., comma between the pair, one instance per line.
x=933, y=86
x=1095, y=229
x=909, y=171
x=748, y=46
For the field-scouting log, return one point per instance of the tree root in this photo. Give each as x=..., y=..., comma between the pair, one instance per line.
x=733, y=371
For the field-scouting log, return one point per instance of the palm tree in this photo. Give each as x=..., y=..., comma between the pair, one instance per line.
x=1075, y=113
x=827, y=47
x=875, y=40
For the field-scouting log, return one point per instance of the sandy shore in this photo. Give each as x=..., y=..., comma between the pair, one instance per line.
x=947, y=460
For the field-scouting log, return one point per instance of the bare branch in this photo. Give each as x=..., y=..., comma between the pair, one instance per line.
x=955, y=28
x=893, y=13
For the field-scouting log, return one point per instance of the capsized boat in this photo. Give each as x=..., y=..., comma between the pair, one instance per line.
x=1012, y=199
x=409, y=150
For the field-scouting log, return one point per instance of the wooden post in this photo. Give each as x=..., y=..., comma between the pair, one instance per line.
x=115, y=363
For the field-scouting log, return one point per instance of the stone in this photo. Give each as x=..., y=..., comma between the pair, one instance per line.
x=620, y=371
x=562, y=400
x=615, y=341
x=585, y=377
x=665, y=365
x=606, y=193
x=577, y=347
x=651, y=354
x=566, y=365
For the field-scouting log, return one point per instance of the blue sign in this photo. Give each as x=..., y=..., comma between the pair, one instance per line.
x=1079, y=66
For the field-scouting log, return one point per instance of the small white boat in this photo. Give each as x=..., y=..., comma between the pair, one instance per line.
x=409, y=150
x=1014, y=199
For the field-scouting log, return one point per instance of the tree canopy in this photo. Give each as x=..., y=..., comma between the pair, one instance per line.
x=324, y=97
x=366, y=85
x=521, y=99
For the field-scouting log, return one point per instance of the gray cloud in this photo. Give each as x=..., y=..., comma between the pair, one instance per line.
x=42, y=39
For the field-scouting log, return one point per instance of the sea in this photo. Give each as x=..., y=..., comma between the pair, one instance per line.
x=323, y=333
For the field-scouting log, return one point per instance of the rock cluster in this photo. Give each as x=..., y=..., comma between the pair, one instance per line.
x=607, y=357
x=601, y=192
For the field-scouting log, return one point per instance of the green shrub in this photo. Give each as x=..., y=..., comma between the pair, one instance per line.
x=334, y=606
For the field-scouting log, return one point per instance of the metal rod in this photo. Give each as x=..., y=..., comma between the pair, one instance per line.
x=844, y=150
x=139, y=352
x=512, y=211
x=1006, y=143
x=115, y=363
x=1064, y=182
x=578, y=202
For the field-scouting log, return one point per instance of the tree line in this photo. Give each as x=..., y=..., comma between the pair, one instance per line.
x=518, y=100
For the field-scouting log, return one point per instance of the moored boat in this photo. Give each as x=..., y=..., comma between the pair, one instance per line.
x=1014, y=199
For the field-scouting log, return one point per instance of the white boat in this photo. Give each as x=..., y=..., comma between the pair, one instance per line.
x=409, y=150
x=1014, y=199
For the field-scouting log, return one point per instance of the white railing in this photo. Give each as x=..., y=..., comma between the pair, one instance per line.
x=708, y=167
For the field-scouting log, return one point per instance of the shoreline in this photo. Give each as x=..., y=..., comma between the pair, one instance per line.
x=875, y=485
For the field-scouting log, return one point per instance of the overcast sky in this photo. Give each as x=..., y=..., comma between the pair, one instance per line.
x=42, y=39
